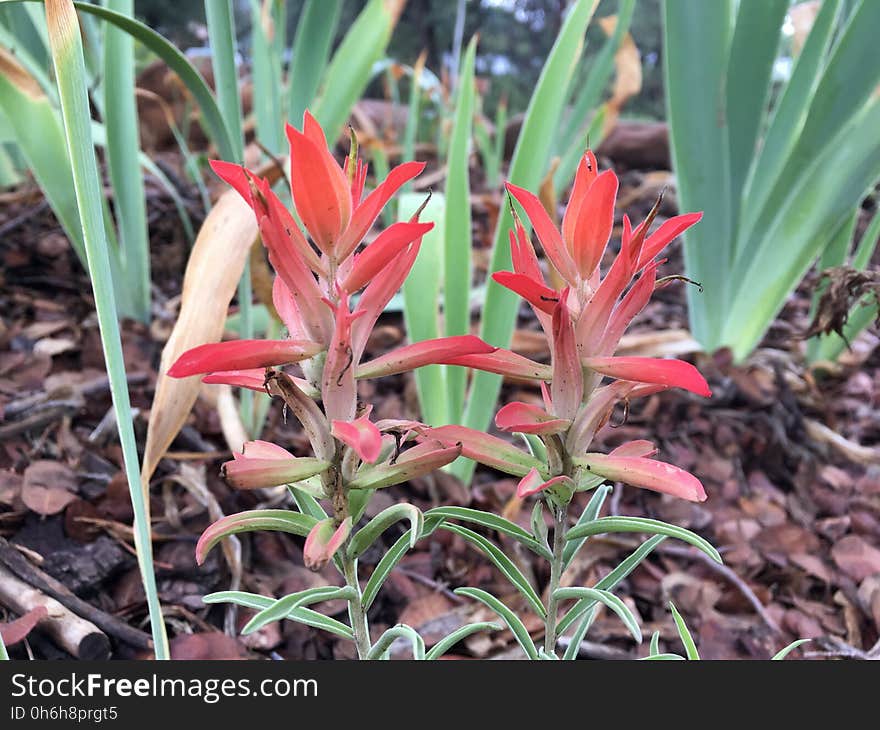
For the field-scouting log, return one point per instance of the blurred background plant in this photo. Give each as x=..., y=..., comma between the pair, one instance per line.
x=774, y=136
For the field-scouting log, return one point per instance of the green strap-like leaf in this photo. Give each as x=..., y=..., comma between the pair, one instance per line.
x=611, y=581
x=782, y=653
x=663, y=657
x=457, y=230
x=493, y=522
x=311, y=49
x=367, y=535
x=684, y=633
x=527, y=168
x=278, y=520
x=300, y=614
x=643, y=524
x=383, y=569
x=607, y=598
x=503, y=563
x=381, y=647
x=654, y=648
x=447, y=642
x=283, y=606
x=590, y=513
x=516, y=626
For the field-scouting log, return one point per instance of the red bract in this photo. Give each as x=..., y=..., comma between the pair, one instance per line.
x=584, y=323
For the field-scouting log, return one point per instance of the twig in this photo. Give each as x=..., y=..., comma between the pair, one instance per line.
x=16, y=563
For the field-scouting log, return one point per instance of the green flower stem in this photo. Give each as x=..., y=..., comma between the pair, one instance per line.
x=559, y=530
x=356, y=612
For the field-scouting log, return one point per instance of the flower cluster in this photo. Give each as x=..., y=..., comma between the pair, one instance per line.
x=329, y=291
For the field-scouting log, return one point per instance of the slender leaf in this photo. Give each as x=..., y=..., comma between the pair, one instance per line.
x=611, y=581
x=388, y=562
x=301, y=614
x=381, y=647
x=493, y=522
x=277, y=520
x=457, y=272
x=654, y=648
x=663, y=657
x=67, y=58
x=572, y=650
x=280, y=608
x=516, y=626
x=368, y=534
x=642, y=524
x=782, y=653
x=447, y=642
x=590, y=513
x=503, y=563
x=607, y=598
x=311, y=50
x=684, y=633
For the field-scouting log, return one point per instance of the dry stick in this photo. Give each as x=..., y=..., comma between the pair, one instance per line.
x=78, y=637
x=16, y=563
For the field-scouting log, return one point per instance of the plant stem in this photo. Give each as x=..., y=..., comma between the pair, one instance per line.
x=356, y=612
x=555, y=576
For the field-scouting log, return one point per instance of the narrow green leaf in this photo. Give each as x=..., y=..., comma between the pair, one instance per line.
x=696, y=43
x=447, y=642
x=306, y=503
x=611, y=581
x=311, y=50
x=266, y=73
x=457, y=272
x=663, y=657
x=607, y=598
x=367, y=535
x=571, y=651
x=67, y=58
x=516, y=626
x=503, y=563
x=301, y=614
x=654, y=648
x=123, y=148
x=493, y=522
x=642, y=524
x=590, y=513
x=421, y=299
x=388, y=562
x=782, y=653
x=684, y=633
x=381, y=647
x=4, y=655
x=351, y=67
x=277, y=520
x=283, y=606
x=527, y=169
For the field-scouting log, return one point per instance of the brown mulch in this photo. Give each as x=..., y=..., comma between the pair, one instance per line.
x=795, y=514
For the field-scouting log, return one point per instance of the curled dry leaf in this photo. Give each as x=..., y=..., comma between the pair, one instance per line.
x=212, y=274
x=48, y=487
x=14, y=631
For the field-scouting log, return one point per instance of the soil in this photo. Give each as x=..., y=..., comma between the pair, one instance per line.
x=793, y=508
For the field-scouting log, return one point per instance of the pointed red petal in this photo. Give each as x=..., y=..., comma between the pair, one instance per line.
x=439, y=351
x=338, y=386
x=567, y=386
x=594, y=414
x=362, y=435
x=253, y=379
x=550, y=238
x=262, y=450
x=594, y=223
x=664, y=235
x=505, y=362
x=489, y=450
x=673, y=373
x=533, y=482
x=526, y=418
x=417, y=461
x=638, y=448
x=534, y=292
x=385, y=249
x=586, y=173
x=647, y=473
x=320, y=191
x=235, y=176
x=241, y=355
x=632, y=303
x=366, y=213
